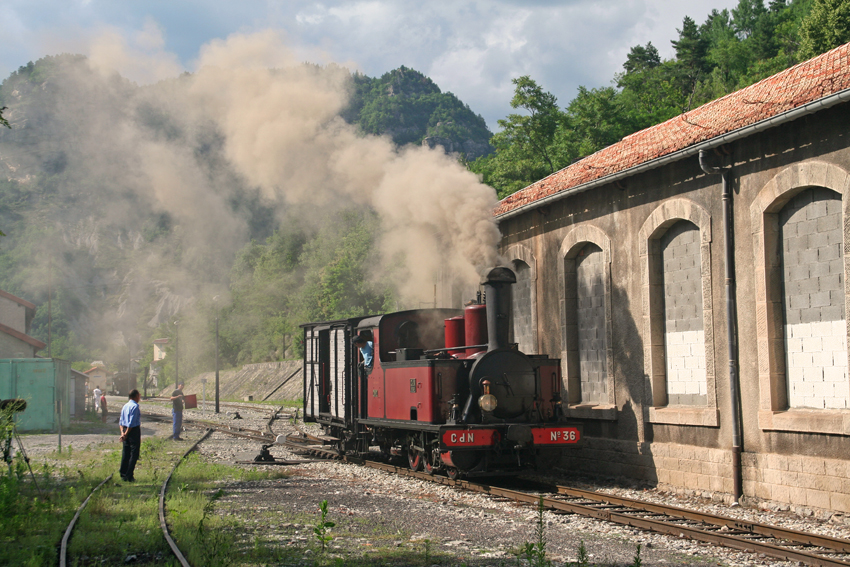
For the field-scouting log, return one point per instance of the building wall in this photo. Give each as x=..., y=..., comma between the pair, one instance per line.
x=671, y=427
x=98, y=378
x=13, y=314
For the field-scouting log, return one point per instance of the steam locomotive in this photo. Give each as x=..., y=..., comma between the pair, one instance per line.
x=446, y=390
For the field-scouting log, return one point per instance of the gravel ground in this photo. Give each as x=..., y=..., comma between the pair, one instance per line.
x=374, y=510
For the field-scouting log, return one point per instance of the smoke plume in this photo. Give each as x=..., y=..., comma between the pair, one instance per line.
x=251, y=130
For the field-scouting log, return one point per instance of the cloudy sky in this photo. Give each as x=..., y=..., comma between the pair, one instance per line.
x=471, y=48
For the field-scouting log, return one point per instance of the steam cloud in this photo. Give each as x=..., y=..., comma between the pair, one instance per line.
x=276, y=123
x=283, y=133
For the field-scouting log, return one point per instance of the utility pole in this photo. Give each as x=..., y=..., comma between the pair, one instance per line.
x=216, y=364
x=49, y=311
x=176, y=355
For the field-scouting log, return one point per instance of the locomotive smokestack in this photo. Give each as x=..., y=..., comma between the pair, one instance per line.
x=496, y=284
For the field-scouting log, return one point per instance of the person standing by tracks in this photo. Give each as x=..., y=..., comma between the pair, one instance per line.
x=130, y=424
x=103, y=407
x=97, y=393
x=177, y=412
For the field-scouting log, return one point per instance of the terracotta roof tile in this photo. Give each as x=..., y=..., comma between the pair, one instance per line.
x=804, y=83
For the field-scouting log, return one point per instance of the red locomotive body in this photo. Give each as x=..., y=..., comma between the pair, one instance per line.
x=483, y=408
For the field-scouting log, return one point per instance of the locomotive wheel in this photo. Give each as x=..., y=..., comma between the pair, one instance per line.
x=414, y=459
x=427, y=466
x=452, y=473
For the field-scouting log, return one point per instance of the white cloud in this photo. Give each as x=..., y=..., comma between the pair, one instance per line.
x=472, y=48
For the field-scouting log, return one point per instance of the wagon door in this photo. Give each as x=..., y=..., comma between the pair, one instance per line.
x=338, y=347
x=316, y=372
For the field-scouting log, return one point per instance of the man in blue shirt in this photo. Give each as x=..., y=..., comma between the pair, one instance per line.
x=366, y=351
x=131, y=435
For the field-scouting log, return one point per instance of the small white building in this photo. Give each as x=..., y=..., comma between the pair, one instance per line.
x=158, y=356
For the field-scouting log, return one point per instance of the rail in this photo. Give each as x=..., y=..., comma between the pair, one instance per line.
x=772, y=541
x=63, y=548
x=163, y=524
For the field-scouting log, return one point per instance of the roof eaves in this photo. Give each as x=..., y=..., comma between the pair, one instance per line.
x=17, y=299
x=22, y=337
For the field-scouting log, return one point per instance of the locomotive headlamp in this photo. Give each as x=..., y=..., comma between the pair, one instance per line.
x=487, y=401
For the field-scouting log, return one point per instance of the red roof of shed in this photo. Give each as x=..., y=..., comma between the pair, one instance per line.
x=804, y=83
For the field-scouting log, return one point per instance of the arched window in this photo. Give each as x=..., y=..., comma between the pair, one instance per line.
x=523, y=329
x=587, y=353
x=522, y=324
x=675, y=247
x=590, y=313
x=798, y=221
x=684, y=338
x=811, y=252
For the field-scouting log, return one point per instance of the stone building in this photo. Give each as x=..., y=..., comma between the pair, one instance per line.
x=16, y=316
x=621, y=260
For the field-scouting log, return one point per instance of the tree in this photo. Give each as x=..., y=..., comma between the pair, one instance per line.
x=642, y=58
x=649, y=93
x=746, y=17
x=3, y=121
x=827, y=26
x=690, y=58
x=525, y=148
x=537, y=130
x=595, y=119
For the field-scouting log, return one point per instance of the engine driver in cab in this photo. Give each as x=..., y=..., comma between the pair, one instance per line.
x=363, y=342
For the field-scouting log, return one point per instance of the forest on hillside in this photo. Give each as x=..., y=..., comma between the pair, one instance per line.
x=126, y=270
x=729, y=50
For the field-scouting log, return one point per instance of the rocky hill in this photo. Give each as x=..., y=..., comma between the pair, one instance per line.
x=411, y=108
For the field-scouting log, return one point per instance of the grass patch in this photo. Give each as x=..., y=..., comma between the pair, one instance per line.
x=121, y=519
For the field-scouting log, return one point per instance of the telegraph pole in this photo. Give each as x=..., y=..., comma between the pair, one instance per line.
x=176, y=355
x=216, y=364
x=49, y=310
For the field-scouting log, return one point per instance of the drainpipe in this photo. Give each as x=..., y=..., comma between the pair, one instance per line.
x=731, y=310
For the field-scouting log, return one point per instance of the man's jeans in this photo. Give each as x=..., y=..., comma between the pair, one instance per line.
x=178, y=423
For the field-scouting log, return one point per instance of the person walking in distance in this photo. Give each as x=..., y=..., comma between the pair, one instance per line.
x=97, y=393
x=177, y=411
x=130, y=424
x=103, y=407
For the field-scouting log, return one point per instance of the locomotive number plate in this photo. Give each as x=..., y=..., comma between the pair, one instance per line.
x=556, y=435
x=470, y=438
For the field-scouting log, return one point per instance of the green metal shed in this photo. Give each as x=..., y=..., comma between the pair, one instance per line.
x=41, y=382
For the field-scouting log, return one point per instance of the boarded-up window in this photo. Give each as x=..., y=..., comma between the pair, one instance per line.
x=590, y=319
x=813, y=300
x=522, y=331
x=684, y=338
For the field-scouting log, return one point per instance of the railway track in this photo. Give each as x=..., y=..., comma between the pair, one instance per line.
x=754, y=537
x=771, y=541
x=63, y=549
x=163, y=524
